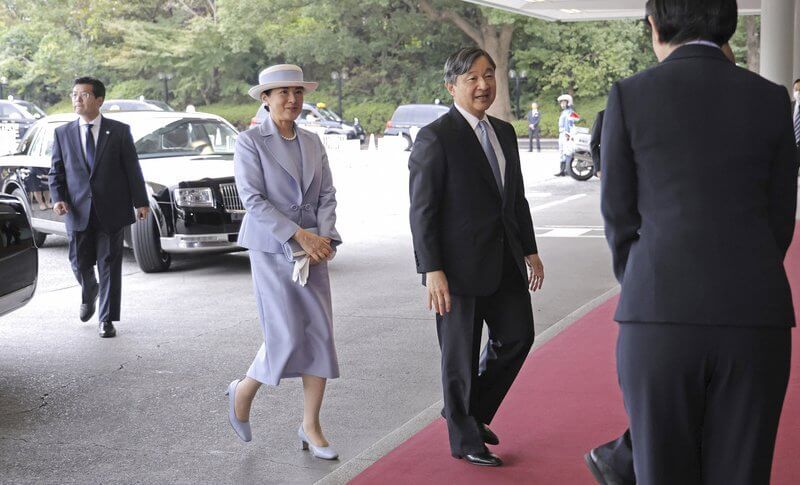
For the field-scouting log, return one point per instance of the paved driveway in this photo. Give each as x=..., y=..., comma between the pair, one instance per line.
x=148, y=406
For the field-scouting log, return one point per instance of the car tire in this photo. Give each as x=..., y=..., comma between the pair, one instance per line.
x=409, y=143
x=38, y=237
x=147, y=246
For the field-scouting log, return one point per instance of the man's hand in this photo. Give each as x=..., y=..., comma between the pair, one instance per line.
x=438, y=292
x=536, y=276
x=141, y=213
x=60, y=208
x=318, y=248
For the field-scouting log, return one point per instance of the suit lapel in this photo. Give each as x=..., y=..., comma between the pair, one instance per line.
x=309, y=154
x=102, y=140
x=75, y=145
x=511, y=157
x=466, y=138
x=276, y=151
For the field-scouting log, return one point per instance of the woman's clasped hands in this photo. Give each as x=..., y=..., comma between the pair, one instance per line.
x=317, y=247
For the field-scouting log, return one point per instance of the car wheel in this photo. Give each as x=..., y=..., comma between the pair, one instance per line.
x=147, y=246
x=38, y=237
x=409, y=143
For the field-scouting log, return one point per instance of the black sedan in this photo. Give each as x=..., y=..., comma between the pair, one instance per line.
x=19, y=261
x=187, y=162
x=16, y=116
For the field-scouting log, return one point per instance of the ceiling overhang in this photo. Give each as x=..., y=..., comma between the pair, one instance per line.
x=586, y=10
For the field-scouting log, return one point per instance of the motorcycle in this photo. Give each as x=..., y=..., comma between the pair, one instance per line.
x=580, y=166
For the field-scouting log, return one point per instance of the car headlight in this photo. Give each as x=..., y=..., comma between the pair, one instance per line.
x=194, y=197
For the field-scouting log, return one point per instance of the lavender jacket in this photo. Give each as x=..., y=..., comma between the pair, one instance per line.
x=276, y=203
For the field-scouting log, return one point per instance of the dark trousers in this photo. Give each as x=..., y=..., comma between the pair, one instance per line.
x=703, y=402
x=618, y=454
x=94, y=246
x=475, y=383
x=531, y=135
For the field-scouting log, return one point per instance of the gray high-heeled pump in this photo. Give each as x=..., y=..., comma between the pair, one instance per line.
x=326, y=453
x=242, y=428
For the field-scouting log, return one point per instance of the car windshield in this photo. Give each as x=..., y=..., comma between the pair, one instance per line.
x=119, y=105
x=164, y=106
x=166, y=137
x=30, y=108
x=329, y=115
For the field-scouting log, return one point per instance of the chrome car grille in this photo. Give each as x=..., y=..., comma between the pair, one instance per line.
x=230, y=198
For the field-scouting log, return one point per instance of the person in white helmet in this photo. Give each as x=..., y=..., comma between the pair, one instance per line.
x=565, y=124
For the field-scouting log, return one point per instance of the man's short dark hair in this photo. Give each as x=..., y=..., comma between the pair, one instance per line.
x=98, y=88
x=796, y=81
x=460, y=62
x=680, y=21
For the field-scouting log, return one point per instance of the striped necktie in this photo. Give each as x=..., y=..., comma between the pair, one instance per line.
x=797, y=123
x=490, y=155
x=89, y=146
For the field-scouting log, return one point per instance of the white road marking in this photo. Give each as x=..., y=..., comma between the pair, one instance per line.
x=558, y=202
x=570, y=231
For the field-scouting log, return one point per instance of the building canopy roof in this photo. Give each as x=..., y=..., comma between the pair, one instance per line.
x=584, y=10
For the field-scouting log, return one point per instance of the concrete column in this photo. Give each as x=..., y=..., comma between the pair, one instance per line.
x=796, y=74
x=777, y=39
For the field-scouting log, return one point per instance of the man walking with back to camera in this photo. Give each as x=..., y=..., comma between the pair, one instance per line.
x=698, y=231
x=473, y=234
x=96, y=181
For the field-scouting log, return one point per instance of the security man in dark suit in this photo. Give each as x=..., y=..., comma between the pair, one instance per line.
x=594, y=142
x=698, y=229
x=473, y=234
x=96, y=181
x=534, y=130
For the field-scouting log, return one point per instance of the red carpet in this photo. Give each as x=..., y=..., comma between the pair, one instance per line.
x=565, y=401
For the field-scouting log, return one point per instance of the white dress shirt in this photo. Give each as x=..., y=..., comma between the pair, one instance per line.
x=498, y=151
x=95, y=133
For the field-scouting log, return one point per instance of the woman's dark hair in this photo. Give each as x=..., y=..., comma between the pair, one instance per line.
x=98, y=88
x=460, y=62
x=680, y=21
x=266, y=106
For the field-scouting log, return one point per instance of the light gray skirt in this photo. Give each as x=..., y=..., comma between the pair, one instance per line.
x=297, y=321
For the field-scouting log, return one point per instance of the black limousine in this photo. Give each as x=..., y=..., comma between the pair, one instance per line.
x=187, y=162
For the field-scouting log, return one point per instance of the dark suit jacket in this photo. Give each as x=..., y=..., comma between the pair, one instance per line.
x=459, y=220
x=594, y=142
x=115, y=184
x=533, y=119
x=698, y=200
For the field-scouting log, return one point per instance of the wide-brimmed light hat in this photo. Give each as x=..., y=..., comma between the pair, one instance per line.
x=280, y=76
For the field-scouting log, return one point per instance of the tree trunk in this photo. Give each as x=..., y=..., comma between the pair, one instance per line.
x=495, y=40
x=753, y=42
x=498, y=45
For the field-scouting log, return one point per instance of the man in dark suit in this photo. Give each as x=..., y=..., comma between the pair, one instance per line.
x=473, y=234
x=534, y=118
x=612, y=462
x=796, y=114
x=96, y=181
x=594, y=142
x=703, y=363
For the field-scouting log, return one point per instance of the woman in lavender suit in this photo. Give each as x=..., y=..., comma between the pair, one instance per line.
x=284, y=181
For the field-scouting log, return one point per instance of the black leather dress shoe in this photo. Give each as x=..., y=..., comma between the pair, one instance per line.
x=602, y=472
x=487, y=435
x=107, y=330
x=87, y=309
x=483, y=459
